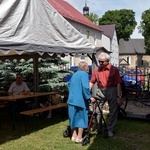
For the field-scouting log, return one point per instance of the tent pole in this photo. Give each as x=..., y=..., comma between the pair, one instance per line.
x=36, y=73
x=36, y=78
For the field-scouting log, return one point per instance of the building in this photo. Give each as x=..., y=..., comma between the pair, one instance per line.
x=91, y=32
x=132, y=54
x=110, y=42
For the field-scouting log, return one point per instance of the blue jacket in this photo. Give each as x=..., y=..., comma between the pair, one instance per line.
x=79, y=93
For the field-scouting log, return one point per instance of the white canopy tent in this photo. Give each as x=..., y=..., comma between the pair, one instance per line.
x=33, y=28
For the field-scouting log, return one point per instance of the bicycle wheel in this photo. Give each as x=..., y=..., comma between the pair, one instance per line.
x=124, y=102
x=86, y=140
x=67, y=132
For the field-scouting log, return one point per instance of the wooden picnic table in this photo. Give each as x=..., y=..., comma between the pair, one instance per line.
x=14, y=98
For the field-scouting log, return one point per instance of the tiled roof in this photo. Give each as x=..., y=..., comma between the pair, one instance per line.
x=133, y=46
x=69, y=12
x=108, y=30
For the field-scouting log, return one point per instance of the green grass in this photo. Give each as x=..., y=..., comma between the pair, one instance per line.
x=129, y=135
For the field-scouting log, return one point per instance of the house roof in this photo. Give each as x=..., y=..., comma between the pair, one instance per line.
x=133, y=46
x=123, y=61
x=108, y=30
x=69, y=12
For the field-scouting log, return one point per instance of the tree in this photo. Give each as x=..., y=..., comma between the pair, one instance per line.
x=49, y=73
x=124, y=20
x=144, y=28
x=93, y=17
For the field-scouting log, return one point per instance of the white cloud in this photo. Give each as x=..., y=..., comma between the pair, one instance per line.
x=101, y=6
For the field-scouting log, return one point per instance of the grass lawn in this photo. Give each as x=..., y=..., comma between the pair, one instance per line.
x=130, y=134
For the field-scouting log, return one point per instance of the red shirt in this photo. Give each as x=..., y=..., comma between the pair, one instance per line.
x=106, y=77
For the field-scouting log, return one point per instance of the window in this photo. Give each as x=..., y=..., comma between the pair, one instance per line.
x=80, y=30
x=82, y=57
x=129, y=59
x=95, y=39
x=142, y=62
x=88, y=34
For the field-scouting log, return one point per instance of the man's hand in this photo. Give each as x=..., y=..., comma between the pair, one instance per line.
x=119, y=101
x=92, y=99
x=26, y=93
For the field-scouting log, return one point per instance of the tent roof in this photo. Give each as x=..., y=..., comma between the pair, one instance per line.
x=35, y=26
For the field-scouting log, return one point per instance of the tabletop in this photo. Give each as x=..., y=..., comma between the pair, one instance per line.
x=32, y=94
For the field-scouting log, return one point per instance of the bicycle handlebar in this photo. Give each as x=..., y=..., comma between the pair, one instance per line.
x=97, y=98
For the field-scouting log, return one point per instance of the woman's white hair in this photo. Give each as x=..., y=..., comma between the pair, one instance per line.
x=82, y=64
x=106, y=55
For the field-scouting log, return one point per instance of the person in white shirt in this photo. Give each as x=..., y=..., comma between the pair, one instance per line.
x=19, y=87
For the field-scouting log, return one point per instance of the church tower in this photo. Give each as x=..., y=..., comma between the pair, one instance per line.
x=86, y=9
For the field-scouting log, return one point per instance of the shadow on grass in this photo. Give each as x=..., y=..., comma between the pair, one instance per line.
x=8, y=134
x=129, y=134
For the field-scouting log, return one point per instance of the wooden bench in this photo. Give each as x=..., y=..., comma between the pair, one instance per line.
x=33, y=112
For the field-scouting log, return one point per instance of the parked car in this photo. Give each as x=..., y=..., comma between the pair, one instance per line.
x=74, y=69
x=128, y=76
x=136, y=73
x=132, y=78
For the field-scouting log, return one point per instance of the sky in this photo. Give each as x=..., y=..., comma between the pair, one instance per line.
x=99, y=7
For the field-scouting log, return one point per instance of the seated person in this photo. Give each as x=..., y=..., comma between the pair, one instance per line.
x=65, y=94
x=54, y=100
x=19, y=87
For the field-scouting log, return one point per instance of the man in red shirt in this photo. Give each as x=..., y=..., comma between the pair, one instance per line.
x=108, y=89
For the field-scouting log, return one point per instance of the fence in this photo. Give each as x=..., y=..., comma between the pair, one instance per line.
x=137, y=78
x=136, y=88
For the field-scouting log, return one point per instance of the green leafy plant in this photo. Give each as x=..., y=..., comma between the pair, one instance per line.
x=49, y=74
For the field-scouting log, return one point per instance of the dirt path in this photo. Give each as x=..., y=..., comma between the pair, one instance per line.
x=137, y=108
x=133, y=107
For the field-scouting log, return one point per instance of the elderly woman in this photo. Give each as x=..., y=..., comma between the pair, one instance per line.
x=78, y=101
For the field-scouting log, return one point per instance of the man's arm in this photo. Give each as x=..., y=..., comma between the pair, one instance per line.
x=119, y=99
x=10, y=93
x=119, y=90
x=93, y=78
x=10, y=90
x=91, y=85
x=26, y=89
x=26, y=92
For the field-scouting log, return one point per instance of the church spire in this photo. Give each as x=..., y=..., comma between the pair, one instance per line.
x=86, y=9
